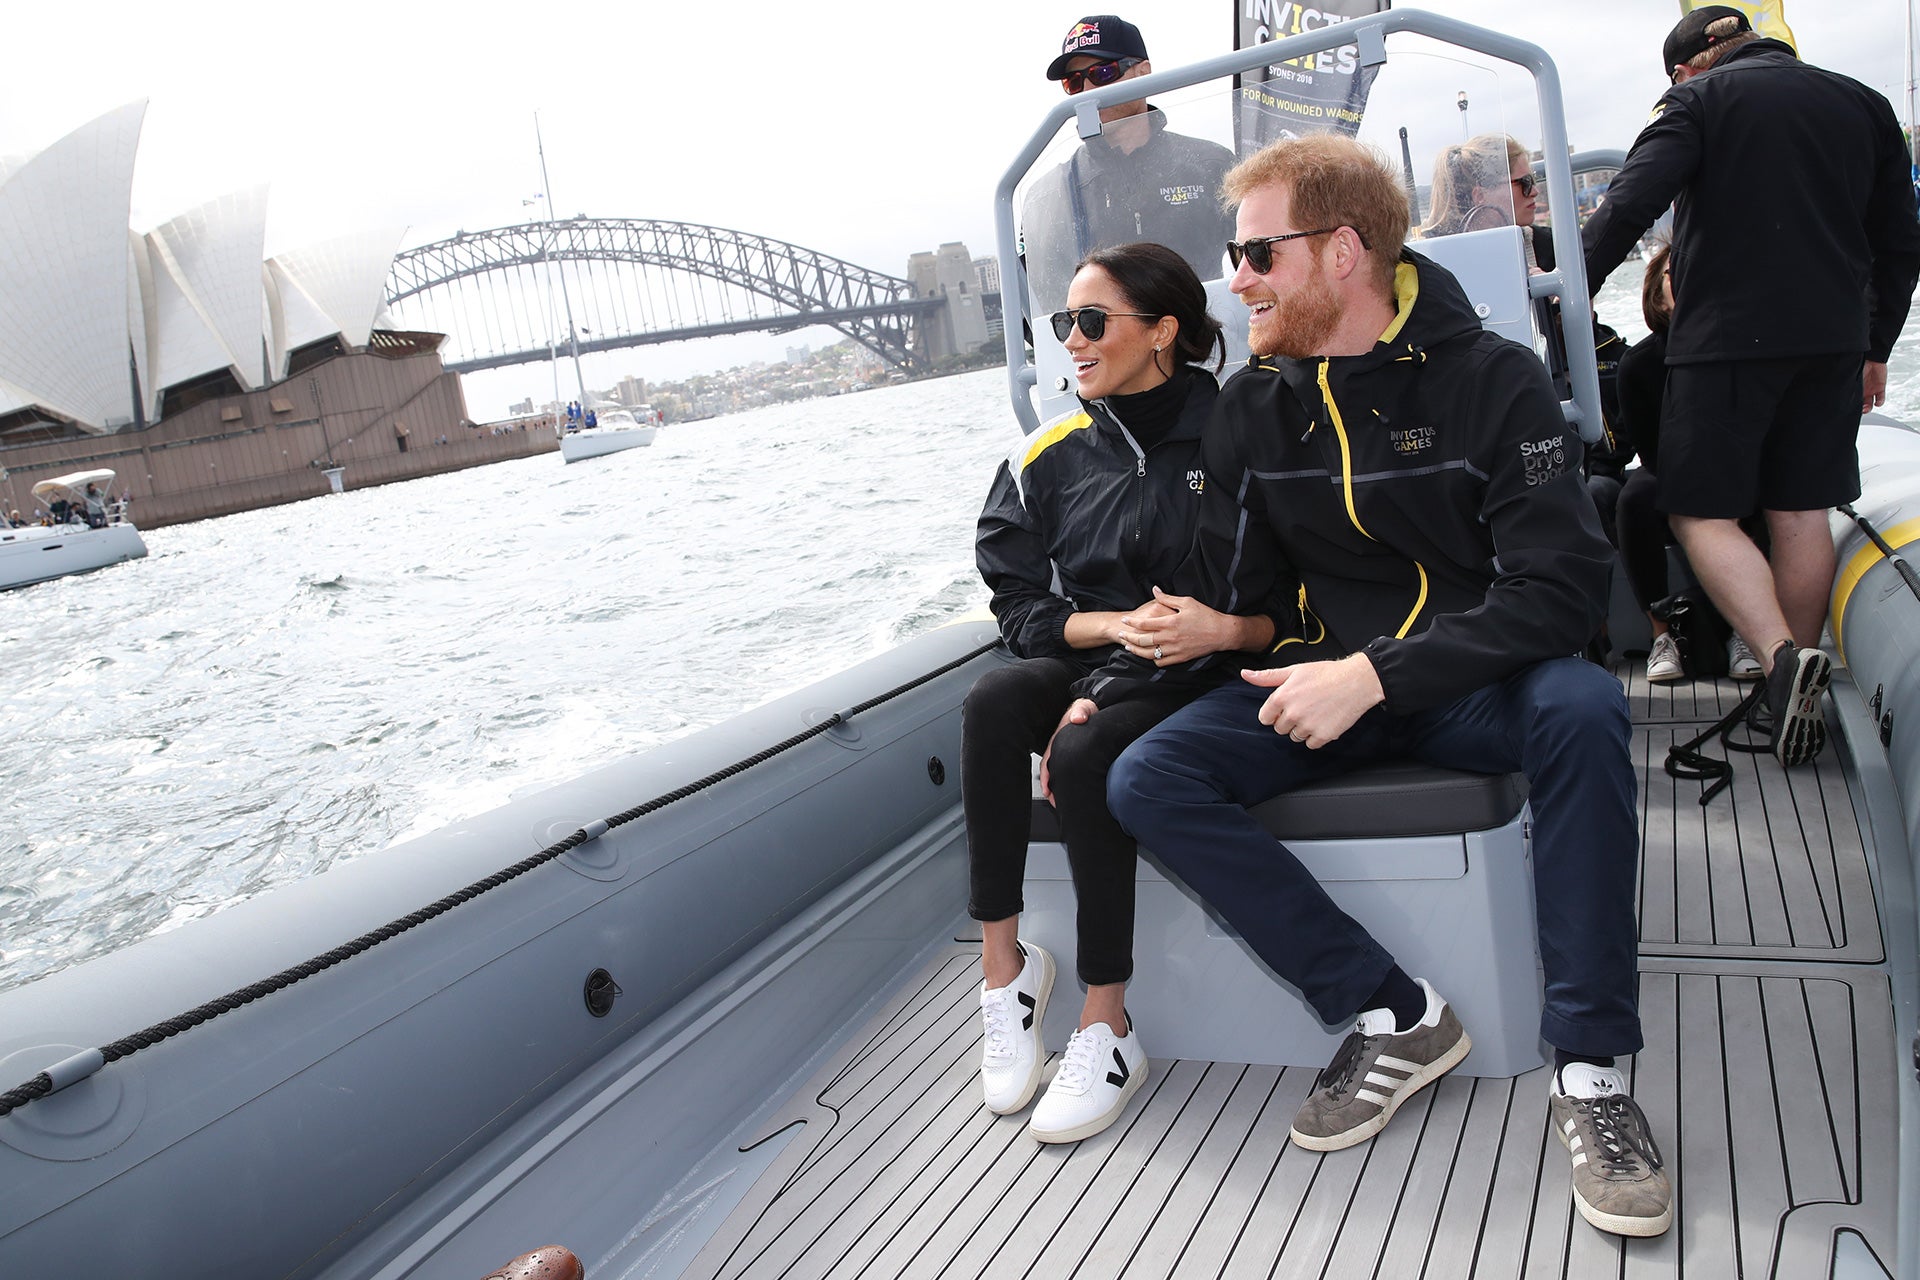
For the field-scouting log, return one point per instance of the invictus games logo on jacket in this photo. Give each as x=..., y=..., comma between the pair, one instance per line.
x=1183, y=195
x=1197, y=480
x=1411, y=439
x=1544, y=460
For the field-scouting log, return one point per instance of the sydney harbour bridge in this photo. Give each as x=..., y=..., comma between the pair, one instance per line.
x=502, y=296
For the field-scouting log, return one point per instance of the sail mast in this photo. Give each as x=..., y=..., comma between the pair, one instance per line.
x=573, y=337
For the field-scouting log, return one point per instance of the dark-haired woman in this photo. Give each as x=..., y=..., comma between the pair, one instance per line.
x=1086, y=520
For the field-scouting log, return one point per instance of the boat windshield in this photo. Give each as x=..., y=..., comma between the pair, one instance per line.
x=1463, y=130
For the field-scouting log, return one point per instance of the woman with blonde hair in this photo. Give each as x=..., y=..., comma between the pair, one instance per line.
x=1487, y=181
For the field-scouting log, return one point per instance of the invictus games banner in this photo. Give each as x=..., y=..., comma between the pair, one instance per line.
x=1322, y=91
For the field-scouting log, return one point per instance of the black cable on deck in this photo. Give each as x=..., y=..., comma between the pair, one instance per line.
x=42, y=1084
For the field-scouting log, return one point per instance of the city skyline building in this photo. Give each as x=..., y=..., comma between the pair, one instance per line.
x=949, y=271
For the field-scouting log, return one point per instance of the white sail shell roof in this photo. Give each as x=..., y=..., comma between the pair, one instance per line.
x=81, y=295
x=345, y=278
x=64, y=271
x=207, y=287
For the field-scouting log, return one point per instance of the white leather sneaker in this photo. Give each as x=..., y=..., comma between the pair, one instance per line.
x=1741, y=664
x=1663, y=660
x=1098, y=1073
x=1010, y=1057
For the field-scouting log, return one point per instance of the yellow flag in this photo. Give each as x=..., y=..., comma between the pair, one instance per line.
x=1767, y=16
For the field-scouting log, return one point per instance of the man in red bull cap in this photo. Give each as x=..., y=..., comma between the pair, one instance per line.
x=1138, y=180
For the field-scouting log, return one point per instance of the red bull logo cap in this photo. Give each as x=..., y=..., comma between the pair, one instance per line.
x=1099, y=36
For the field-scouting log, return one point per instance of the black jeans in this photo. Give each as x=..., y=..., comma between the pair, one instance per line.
x=1643, y=540
x=1010, y=714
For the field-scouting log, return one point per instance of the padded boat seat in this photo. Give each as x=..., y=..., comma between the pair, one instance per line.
x=1389, y=801
x=1436, y=863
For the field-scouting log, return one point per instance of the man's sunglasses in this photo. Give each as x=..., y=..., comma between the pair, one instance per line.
x=1100, y=73
x=1527, y=183
x=1258, y=250
x=1092, y=321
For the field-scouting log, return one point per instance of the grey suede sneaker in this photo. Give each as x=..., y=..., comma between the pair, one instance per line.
x=1375, y=1070
x=1620, y=1184
x=1794, y=686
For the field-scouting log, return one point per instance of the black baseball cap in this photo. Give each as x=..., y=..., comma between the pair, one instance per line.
x=1100, y=36
x=1689, y=38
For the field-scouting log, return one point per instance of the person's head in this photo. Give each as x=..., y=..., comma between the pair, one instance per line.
x=1152, y=318
x=1346, y=212
x=1656, y=289
x=1099, y=50
x=1702, y=38
x=1478, y=184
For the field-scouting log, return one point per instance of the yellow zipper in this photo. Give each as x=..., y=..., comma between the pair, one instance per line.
x=1305, y=613
x=1346, y=487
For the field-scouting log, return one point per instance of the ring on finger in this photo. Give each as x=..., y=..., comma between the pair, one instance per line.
x=1157, y=653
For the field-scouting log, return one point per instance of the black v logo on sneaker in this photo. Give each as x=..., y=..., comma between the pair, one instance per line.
x=1026, y=1023
x=1119, y=1078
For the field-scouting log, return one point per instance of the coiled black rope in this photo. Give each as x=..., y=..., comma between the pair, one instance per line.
x=1686, y=760
x=43, y=1084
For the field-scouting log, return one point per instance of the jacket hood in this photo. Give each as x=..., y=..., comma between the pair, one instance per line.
x=1430, y=308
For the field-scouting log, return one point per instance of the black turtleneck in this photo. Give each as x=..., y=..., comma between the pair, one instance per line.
x=1150, y=415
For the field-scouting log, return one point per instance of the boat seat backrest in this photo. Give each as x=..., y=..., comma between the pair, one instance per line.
x=1491, y=265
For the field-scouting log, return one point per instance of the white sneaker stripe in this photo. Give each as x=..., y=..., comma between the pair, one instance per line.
x=1374, y=1077
x=1579, y=1159
x=1575, y=1144
x=1370, y=1096
x=1398, y=1064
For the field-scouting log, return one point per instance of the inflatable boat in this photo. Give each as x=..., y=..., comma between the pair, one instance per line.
x=712, y=1010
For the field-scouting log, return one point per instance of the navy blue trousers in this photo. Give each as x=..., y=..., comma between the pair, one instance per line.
x=1183, y=789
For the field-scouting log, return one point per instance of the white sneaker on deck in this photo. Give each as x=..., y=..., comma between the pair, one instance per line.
x=1098, y=1073
x=1010, y=1057
x=1663, y=660
x=1741, y=664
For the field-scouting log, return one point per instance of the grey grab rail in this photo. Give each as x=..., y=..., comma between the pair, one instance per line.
x=1568, y=279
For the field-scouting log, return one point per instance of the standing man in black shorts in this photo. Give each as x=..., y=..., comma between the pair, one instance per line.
x=1795, y=254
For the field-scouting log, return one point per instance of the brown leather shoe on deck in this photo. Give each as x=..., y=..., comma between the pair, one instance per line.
x=549, y=1262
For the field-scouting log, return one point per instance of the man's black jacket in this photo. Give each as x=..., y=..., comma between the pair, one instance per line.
x=1794, y=226
x=1426, y=496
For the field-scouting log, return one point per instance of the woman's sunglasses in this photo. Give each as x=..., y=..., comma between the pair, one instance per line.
x=1097, y=75
x=1527, y=184
x=1092, y=321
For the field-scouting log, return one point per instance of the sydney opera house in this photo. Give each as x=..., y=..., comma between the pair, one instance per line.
x=209, y=377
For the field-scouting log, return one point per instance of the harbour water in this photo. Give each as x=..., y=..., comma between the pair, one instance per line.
x=273, y=693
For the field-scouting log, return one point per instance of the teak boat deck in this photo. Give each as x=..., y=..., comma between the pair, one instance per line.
x=1768, y=1078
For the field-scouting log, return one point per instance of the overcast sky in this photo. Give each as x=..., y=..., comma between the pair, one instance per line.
x=867, y=129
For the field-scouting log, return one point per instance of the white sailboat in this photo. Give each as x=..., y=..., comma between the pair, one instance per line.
x=585, y=432
x=611, y=431
x=78, y=534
